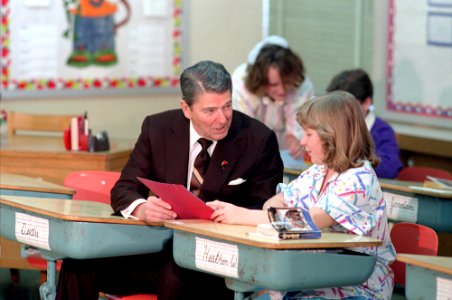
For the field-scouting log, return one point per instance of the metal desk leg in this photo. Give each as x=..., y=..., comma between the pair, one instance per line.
x=48, y=289
x=239, y=296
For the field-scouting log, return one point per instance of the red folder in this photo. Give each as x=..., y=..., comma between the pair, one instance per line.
x=185, y=204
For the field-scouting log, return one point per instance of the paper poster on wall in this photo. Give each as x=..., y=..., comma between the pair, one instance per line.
x=86, y=45
x=419, y=59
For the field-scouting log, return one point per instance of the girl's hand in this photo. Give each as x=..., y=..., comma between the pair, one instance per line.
x=228, y=213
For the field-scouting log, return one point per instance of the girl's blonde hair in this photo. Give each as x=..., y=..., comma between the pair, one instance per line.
x=339, y=121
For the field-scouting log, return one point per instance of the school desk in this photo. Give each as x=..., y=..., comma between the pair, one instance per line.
x=427, y=277
x=248, y=263
x=46, y=157
x=75, y=229
x=407, y=201
x=19, y=185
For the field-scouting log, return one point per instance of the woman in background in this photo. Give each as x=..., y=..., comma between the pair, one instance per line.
x=271, y=87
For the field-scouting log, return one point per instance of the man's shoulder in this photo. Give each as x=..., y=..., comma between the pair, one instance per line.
x=163, y=121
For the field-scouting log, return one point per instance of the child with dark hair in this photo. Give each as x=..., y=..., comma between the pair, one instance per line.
x=358, y=83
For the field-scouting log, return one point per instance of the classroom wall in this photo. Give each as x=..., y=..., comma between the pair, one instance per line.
x=212, y=34
x=329, y=36
x=333, y=36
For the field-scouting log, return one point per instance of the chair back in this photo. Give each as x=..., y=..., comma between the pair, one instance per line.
x=412, y=239
x=92, y=185
x=420, y=174
x=28, y=122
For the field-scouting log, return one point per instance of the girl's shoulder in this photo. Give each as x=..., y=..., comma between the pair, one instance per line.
x=363, y=172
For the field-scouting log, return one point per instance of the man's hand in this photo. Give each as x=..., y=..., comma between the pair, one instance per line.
x=154, y=210
x=292, y=144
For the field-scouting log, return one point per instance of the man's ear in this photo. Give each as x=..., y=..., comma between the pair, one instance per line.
x=185, y=109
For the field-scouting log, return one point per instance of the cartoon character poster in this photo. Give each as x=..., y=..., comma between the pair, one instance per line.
x=93, y=31
x=84, y=45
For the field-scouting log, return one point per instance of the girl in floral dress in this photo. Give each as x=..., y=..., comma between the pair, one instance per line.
x=340, y=190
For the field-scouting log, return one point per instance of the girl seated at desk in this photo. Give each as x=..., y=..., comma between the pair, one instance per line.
x=341, y=191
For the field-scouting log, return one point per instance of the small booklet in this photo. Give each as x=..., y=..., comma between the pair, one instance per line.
x=288, y=223
x=183, y=202
x=442, y=183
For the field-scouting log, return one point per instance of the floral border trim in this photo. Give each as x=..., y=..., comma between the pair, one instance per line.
x=398, y=106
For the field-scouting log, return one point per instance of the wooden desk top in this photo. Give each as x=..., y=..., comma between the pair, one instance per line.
x=412, y=187
x=25, y=183
x=294, y=172
x=47, y=158
x=69, y=210
x=441, y=264
x=55, y=146
x=238, y=234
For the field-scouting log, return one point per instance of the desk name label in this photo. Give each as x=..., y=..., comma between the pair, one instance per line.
x=401, y=208
x=32, y=231
x=217, y=257
x=443, y=288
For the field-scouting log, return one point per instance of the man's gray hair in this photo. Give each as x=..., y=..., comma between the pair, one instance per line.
x=204, y=77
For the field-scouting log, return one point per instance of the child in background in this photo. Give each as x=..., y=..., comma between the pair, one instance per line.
x=358, y=83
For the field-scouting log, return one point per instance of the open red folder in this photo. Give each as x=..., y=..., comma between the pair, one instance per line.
x=185, y=204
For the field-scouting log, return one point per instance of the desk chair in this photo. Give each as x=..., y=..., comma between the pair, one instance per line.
x=420, y=174
x=92, y=185
x=412, y=239
x=28, y=122
x=96, y=186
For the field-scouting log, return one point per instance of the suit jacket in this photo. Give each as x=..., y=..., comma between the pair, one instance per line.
x=161, y=153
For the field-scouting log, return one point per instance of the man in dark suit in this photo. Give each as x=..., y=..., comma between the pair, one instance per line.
x=244, y=169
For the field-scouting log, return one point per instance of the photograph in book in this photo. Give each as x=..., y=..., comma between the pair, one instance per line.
x=289, y=223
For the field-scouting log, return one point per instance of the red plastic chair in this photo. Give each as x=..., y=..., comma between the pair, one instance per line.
x=96, y=186
x=412, y=239
x=92, y=185
x=420, y=174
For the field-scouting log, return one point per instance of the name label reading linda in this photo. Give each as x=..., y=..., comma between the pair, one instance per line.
x=32, y=231
x=217, y=257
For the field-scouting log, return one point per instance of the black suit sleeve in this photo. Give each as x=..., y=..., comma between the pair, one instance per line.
x=128, y=188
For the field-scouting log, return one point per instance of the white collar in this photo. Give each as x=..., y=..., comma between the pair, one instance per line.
x=370, y=119
x=194, y=137
x=267, y=101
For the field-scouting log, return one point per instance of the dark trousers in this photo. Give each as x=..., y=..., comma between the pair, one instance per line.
x=154, y=273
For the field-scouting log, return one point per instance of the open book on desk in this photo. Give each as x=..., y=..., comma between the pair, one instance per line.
x=288, y=223
x=184, y=203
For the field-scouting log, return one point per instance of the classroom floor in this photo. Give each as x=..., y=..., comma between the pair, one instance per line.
x=28, y=287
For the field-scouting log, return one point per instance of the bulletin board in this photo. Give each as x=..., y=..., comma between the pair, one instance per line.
x=419, y=62
x=86, y=47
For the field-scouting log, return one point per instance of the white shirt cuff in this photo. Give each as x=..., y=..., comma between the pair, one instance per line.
x=127, y=213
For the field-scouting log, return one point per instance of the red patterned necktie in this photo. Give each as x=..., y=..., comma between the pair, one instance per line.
x=200, y=166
